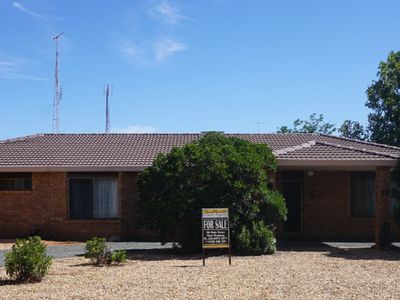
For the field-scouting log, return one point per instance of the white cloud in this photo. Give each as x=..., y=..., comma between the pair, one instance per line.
x=22, y=8
x=129, y=50
x=166, y=12
x=165, y=48
x=14, y=68
x=135, y=129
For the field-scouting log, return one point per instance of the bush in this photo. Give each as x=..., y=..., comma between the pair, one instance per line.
x=215, y=171
x=98, y=252
x=27, y=260
x=118, y=257
x=257, y=240
x=396, y=212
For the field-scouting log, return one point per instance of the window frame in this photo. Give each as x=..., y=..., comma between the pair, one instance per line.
x=364, y=174
x=14, y=176
x=92, y=177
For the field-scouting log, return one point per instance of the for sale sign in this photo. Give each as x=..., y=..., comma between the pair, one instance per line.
x=215, y=232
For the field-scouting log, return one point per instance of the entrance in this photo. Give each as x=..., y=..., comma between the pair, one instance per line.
x=293, y=194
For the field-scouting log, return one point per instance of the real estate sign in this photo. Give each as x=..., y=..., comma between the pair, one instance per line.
x=215, y=228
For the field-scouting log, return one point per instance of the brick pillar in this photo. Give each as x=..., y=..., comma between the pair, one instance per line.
x=382, y=206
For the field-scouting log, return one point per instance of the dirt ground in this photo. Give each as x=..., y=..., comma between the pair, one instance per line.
x=311, y=274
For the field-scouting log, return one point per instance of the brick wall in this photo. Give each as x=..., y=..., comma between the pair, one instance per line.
x=327, y=208
x=44, y=210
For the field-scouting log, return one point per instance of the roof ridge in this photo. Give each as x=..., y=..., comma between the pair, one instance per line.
x=22, y=138
x=358, y=149
x=360, y=141
x=294, y=148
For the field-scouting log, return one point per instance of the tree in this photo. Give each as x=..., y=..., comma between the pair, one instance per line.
x=315, y=124
x=215, y=171
x=384, y=101
x=353, y=130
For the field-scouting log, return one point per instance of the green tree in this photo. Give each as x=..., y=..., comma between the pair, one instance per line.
x=353, y=130
x=215, y=171
x=384, y=101
x=315, y=124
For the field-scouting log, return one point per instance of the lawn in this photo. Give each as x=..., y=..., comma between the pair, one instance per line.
x=302, y=274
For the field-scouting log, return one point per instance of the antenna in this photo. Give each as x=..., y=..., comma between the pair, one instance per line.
x=107, y=92
x=57, y=90
x=258, y=126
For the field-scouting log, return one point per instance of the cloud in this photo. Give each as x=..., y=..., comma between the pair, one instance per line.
x=129, y=50
x=166, y=12
x=165, y=48
x=22, y=8
x=14, y=68
x=135, y=129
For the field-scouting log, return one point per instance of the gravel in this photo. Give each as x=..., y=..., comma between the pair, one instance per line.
x=315, y=273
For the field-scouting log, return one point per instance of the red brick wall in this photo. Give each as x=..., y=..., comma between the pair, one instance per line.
x=327, y=207
x=44, y=210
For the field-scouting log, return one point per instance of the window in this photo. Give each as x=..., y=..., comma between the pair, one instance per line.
x=363, y=194
x=93, y=198
x=15, y=181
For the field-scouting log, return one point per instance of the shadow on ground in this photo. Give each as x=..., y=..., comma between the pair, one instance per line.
x=345, y=250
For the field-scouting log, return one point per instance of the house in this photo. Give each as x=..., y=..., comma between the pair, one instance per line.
x=75, y=186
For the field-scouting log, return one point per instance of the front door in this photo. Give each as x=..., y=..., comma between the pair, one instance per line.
x=293, y=193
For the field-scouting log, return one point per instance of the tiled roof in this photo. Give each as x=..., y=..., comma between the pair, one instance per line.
x=139, y=150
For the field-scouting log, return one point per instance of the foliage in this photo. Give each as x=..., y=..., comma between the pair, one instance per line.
x=215, y=171
x=259, y=240
x=384, y=101
x=396, y=213
x=118, y=256
x=98, y=252
x=315, y=124
x=27, y=260
x=353, y=130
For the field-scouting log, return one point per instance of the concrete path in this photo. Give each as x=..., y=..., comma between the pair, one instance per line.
x=62, y=251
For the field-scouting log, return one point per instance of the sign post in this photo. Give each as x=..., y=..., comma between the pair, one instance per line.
x=215, y=230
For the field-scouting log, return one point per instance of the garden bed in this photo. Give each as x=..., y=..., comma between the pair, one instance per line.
x=315, y=273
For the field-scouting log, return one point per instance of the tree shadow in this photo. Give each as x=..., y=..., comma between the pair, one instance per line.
x=345, y=250
x=15, y=282
x=159, y=255
x=388, y=254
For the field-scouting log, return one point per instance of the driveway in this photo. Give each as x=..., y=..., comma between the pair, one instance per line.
x=63, y=251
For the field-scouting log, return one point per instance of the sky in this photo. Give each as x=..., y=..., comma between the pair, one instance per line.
x=188, y=66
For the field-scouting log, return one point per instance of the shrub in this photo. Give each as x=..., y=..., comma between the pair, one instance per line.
x=118, y=257
x=396, y=212
x=257, y=240
x=215, y=171
x=27, y=260
x=98, y=252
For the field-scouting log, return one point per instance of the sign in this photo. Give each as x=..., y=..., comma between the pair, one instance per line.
x=215, y=228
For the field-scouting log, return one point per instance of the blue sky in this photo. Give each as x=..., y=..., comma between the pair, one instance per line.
x=189, y=66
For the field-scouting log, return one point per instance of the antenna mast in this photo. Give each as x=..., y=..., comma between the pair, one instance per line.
x=107, y=93
x=57, y=90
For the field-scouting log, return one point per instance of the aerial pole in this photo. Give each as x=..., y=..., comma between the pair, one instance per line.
x=57, y=90
x=107, y=93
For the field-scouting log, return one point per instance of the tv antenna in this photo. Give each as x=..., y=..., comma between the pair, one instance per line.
x=107, y=92
x=258, y=126
x=57, y=89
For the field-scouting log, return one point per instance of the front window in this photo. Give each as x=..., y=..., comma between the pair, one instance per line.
x=15, y=181
x=363, y=194
x=93, y=197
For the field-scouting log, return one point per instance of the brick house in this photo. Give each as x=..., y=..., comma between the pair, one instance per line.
x=74, y=186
